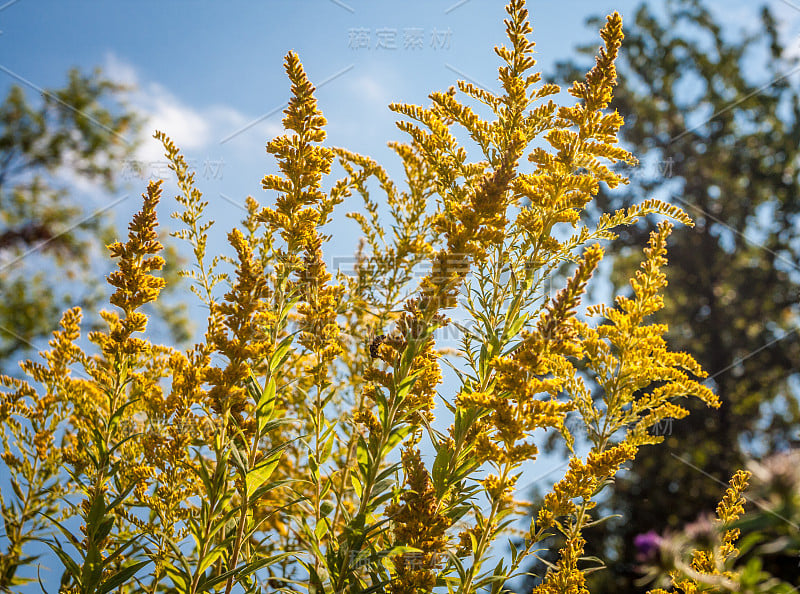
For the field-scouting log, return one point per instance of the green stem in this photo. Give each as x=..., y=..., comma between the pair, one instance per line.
x=485, y=538
x=206, y=543
x=351, y=445
x=15, y=536
x=317, y=479
x=245, y=508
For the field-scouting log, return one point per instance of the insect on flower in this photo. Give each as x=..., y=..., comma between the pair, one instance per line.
x=374, y=344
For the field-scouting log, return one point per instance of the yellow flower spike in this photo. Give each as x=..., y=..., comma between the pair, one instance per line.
x=567, y=578
x=243, y=335
x=133, y=281
x=711, y=569
x=729, y=510
x=552, y=323
x=301, y=208
x=417, y=524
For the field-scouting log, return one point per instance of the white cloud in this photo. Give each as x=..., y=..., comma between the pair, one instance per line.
x=197, y=131
x=371, y=90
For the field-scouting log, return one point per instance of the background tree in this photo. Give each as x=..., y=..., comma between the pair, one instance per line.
x=78, y=134
x=52, y=242
x=724, y=145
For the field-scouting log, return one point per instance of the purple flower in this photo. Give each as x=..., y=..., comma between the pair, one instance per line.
x=647, y=544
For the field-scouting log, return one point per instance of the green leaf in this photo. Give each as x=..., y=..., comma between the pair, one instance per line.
x=97, y=511
x=483, y=361
x=114, y=420
x=17, y=488
x=266, y=405
x=92, y=568
x=238, y=460
x=514, y=327
x=280, y=354
x=210, y=559
x=327, y=439
x=119, y=578
x=396, y=436
x=321, y=529
x=269, y=487
x=69, y=565
x=405, y=385
x=259, y=475
x=104, y=529
x=357, y=487
x=179, y=578
x=362, y=451
x=69, y=536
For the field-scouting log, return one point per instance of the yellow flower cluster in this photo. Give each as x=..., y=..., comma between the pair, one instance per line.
x=300, y=208
x=729, y=510
x=710, y=569
x=582, y=481
x=474, y=200
x=582, y=135
x=639, y=375
x=540, y=365
x=566, y=578
x=417, y=524
x=367, y=417
x=127, y=368
x=243, y=333
x=281, y=458
x=134, y=282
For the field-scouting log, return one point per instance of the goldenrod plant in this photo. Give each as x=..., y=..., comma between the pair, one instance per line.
x=703, y=556
x=712, y=569
x=303, y=445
